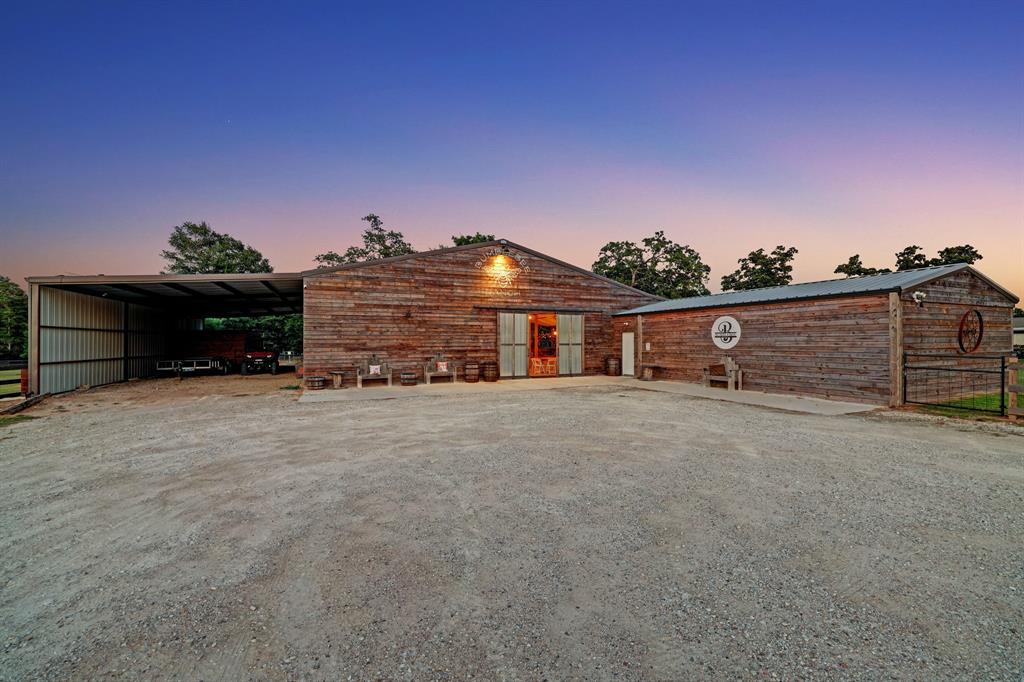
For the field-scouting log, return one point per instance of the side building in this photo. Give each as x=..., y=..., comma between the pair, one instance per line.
x=844, y=339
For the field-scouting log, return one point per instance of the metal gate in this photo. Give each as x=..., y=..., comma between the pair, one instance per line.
x=959, y=382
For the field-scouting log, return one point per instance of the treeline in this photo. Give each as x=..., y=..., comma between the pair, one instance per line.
x=655, y=264
x=196, y=248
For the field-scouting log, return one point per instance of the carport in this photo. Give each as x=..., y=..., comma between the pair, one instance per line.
x=100, y=329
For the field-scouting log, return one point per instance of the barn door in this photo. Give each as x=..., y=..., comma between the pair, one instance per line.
x=570, y=344
x=513, y=333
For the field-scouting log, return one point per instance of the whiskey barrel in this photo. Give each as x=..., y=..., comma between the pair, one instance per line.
x=611, y=366
x=490, y=370
x=407, y=378
x=471, y=372
x=316, y=383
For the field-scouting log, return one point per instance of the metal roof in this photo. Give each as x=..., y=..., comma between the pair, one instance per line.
x=216, y=295
x=848, y=286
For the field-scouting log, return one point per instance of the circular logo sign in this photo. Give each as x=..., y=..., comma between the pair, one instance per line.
x=725, y=332
x=972, y=328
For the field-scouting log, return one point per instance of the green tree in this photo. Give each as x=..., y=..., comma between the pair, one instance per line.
x=964, y=253
x=1018, y=312
x=910, y=258
x=914, y=257
x=198, y=249
x=377, y=243
x=657, y=265
x=466, y=239
x=855, y=268
x=760, y=269
x=13, y=319
x=279, y=332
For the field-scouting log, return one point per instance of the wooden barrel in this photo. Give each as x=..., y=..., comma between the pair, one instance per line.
x=611, y=366
x=490, y=370
x=407, y=378
x=471, y=373
x=316, y=383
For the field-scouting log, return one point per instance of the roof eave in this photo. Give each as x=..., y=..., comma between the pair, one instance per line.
x=847, y=294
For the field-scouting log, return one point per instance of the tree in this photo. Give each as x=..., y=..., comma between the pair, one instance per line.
x=198, y=249
x=910, y=258
x=658, y=266
x=13, y=320
x=279, y=332
x=466, y=239
x=913, y=257
x=855, y=268
x=760, y=269
x=964, y=253
x=1018, y=312
x=377, y=243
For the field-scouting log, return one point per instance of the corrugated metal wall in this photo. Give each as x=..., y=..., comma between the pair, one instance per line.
x=87, y=340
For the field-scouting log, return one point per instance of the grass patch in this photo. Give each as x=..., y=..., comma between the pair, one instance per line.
x=962, y=407
x=290, y=387
x=10, y=374
x=9, y=419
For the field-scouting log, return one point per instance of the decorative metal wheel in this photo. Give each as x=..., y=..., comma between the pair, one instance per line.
x=972, y=329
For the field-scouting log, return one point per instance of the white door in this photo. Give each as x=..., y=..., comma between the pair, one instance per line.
x=513, y=333
x=627, y=354
x=570, y=344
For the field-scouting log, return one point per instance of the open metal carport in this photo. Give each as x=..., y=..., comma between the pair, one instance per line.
x=100, y=329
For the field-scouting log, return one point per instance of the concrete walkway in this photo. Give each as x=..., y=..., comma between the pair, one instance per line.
x=771, y=400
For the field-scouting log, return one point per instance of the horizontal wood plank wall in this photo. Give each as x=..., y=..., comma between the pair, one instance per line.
x=407, y=310
x=831, y=348
x=934, y=327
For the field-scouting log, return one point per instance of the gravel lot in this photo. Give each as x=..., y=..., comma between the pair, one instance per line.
x=217, y=529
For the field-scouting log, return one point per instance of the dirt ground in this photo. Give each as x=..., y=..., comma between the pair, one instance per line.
x=217, y=529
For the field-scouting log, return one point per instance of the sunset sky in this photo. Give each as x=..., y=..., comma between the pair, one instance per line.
x=838, y=128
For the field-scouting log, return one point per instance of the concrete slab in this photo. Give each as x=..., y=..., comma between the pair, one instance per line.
x=790, y=403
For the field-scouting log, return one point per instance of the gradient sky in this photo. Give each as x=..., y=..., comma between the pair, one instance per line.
x=838, y=128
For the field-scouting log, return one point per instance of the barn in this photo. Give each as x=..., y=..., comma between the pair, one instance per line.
x=914, y=336
x=534, y=315
x=847, y=339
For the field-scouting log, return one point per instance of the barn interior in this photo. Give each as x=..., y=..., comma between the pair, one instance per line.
x=99, y=329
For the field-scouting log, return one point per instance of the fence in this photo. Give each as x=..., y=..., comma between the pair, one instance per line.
x=960, y=382
x=10, y=377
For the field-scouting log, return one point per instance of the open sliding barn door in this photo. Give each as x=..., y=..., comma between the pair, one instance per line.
x=513, y=336
x=570, y=344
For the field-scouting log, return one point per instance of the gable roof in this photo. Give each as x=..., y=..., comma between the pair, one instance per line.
x=500, y=243
x=848, y=286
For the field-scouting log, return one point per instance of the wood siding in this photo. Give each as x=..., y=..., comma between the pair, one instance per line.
x=933, y=327
x=830, y=348
x=407, y=309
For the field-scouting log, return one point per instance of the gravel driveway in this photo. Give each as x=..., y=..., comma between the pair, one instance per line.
x=562, y=534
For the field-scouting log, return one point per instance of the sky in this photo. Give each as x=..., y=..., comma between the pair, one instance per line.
x=835, y=127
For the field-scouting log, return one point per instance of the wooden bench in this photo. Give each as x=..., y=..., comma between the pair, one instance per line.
x=431, y=369
x=727, y=372
x=364, y=373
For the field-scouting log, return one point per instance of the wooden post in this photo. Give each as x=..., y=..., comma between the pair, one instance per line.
x=639, y=369
x=896, y=396
x=1014, y=388
x=33, y=338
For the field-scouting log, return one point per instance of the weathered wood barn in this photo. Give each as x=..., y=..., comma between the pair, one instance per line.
x=843, y=339
x=494, y=301
x=537, y=316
